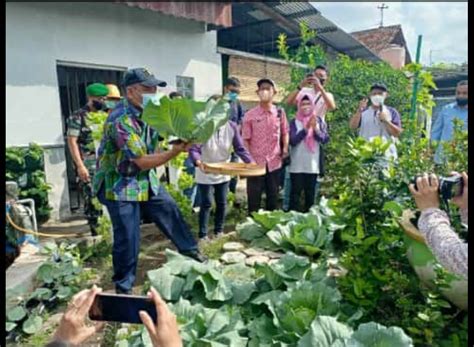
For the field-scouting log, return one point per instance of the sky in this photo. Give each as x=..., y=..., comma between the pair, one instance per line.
x=442, y=24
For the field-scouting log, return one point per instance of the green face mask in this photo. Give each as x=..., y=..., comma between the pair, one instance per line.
x=110, y=104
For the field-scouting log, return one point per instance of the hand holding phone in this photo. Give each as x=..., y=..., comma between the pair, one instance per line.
x=72, y=328
x=121, y=308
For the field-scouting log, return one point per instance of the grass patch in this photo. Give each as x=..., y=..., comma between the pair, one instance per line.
x=213, y=249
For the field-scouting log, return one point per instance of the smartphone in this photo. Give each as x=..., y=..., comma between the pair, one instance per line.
x=121, y=308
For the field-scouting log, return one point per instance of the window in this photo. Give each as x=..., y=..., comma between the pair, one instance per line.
x=185, y=85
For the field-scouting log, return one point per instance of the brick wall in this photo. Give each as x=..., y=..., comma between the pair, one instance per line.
x=249, y=71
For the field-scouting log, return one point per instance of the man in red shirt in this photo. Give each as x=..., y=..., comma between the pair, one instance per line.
x=265, y=134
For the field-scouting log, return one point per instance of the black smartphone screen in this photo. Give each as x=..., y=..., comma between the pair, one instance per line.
x=121, y=308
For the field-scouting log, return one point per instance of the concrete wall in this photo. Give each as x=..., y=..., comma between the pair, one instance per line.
x=108, y=34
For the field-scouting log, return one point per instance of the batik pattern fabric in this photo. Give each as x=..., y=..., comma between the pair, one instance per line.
x=126, y=137
x=444, y=242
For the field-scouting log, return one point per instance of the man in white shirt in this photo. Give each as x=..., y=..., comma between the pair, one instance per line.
x=378, y=120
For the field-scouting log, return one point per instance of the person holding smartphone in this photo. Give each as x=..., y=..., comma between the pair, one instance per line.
x=434, y=224
x=314, y=84
x=73, y=329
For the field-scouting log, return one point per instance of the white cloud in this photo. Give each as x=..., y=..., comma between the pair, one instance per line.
x=442, y=24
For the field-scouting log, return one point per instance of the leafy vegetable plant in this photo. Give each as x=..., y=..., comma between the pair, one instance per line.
x=186, y=119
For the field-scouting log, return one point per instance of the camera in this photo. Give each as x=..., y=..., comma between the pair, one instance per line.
x=449, y=187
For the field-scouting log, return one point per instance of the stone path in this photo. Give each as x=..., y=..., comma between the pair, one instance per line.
x=235, y=252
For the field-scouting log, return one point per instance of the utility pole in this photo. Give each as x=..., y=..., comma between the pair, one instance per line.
x=381, y=8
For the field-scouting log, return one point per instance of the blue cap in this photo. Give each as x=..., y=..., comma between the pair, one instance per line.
x=142, y=76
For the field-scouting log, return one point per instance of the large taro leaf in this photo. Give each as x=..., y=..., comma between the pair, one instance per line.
x=325, y=331
x=186, y=119
x=376, y=335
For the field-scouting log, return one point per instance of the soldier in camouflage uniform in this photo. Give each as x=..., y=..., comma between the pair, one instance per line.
x=82, y=148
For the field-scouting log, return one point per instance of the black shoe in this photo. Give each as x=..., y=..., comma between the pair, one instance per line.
x=196, y=255
x=121, y=291
x=93, y=230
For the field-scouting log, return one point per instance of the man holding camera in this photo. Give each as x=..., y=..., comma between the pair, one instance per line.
x=378, y=120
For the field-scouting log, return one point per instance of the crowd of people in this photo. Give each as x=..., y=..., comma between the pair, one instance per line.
x=121, y=172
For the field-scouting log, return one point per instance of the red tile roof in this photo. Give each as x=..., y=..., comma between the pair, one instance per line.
x=380, y=38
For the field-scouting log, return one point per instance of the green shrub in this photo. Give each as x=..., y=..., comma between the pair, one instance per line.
x=26, y=167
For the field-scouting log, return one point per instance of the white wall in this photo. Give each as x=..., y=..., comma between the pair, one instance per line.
x=111, y=34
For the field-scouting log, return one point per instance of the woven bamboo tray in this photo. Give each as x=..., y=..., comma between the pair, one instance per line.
x=235, y=169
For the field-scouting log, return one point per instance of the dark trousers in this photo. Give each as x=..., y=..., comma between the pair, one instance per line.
x=233, y=180
x=125, y=216
x=92, y=214
x=302, y=183
x=220, y=197
x=269, y=183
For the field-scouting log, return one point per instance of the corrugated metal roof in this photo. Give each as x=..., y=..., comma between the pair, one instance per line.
x=255, y=31
x=216, y=13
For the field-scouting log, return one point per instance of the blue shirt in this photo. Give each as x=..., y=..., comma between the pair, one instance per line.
x=443, y=126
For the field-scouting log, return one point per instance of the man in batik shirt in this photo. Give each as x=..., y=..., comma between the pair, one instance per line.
x=127, y=183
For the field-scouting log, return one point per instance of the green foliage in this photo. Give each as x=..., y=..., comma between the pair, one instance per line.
x=456, y=151
x=424, y=98
x=280, y=304
x=58, y=279
x=26, y=167
x=368, y=199
x=96, y=121
x=302, y=59
x=186, y=119
x=306, y=234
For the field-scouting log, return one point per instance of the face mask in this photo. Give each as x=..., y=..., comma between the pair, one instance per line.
x=377, y=100
x=232, y=96
x=98, y=105
x=265, y=95
x=306, y=110
x=110, y=104
x=147, y=98
x=461, y=101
